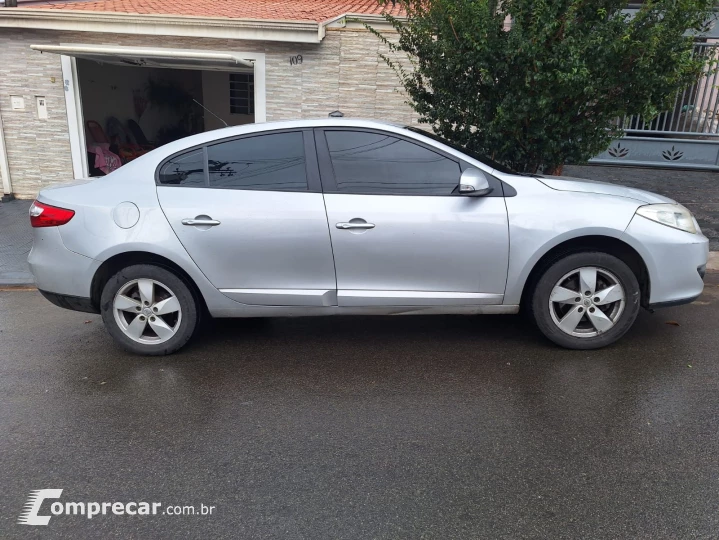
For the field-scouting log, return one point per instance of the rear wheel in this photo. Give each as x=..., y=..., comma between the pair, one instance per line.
x=148, y=310
x=586, y=300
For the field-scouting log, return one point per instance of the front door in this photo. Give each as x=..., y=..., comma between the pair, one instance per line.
x=251, y=215
x=400, y=235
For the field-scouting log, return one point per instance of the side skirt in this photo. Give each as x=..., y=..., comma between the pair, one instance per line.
x=292, y=311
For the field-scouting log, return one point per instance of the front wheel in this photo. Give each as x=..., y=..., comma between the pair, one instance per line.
x=586, y=300
x=148, y=310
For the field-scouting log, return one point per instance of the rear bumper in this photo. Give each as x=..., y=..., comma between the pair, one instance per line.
x=675, y=261
x=75, y=303
x=57, y=269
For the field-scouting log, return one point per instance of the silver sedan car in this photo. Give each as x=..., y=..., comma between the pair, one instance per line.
x=355, y=217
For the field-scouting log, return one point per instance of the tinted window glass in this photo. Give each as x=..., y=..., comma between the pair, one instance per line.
x=378, y=163
x=476, y=155
x=187, y=170
x=266, y=162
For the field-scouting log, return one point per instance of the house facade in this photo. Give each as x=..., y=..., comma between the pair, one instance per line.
x=82, y=77
x=89, y=85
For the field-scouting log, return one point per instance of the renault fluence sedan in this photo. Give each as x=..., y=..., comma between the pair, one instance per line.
x=354, y=217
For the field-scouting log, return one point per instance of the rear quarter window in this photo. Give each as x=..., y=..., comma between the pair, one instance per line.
x=184, y=170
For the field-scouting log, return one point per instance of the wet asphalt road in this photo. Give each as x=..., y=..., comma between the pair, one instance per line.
x=433, y=427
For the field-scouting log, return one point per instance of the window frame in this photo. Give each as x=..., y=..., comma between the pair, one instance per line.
x=312, y=173
x=329, y=183
x=250, y=92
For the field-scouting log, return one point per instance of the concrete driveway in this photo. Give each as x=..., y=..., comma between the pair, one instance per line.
x=416, y=427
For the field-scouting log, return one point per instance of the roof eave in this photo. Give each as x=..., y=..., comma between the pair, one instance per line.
x=161, y=25
x=355, y=20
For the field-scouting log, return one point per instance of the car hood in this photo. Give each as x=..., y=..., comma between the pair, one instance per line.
x=567, y=183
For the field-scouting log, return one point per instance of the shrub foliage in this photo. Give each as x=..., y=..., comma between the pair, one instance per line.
x=537, y=83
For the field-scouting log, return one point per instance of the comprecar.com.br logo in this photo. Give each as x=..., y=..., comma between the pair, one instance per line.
x=31, y=511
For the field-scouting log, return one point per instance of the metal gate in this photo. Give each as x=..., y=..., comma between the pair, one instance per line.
x=686, y=136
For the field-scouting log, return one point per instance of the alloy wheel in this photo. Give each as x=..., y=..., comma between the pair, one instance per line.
x=147, y=311
x=587, y=302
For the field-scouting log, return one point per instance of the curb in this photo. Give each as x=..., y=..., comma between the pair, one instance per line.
x=13, y=282
x=713, y=262
x=17, y=287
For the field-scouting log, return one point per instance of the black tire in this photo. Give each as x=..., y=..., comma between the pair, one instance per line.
x=188, y=305
x=540, y=305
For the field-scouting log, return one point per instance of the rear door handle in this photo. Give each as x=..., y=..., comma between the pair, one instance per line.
x=205, y=222
x=350, y=226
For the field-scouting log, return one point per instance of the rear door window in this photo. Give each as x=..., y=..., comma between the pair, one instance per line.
x=274, y=162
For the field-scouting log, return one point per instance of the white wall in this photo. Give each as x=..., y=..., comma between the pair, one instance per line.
x=216, y=94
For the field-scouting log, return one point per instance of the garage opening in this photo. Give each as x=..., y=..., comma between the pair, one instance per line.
x=132, y=100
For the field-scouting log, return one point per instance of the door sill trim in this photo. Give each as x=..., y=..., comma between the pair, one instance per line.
x=283, y=297
x=296, y=311
x=359, y=298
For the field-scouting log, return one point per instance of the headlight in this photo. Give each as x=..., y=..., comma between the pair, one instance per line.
x=671, y=215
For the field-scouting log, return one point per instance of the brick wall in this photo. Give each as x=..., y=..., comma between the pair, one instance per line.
x=343, y=72
x=38, y=151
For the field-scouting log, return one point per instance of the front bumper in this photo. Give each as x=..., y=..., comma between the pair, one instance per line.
x=672, y=303
x=674, y=261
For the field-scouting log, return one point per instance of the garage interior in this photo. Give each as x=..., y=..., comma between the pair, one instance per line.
x=131, y=104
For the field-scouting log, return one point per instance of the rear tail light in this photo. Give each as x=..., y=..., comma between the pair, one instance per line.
x=44, y=215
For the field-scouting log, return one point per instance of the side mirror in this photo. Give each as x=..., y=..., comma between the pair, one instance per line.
x=473, y=183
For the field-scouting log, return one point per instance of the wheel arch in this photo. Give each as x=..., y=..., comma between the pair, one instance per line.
x=130, y=258
x=606, y=244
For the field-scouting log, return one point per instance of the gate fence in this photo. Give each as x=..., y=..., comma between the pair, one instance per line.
x=687, y=136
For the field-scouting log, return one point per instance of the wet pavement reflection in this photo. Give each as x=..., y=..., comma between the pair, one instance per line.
x=447, y=427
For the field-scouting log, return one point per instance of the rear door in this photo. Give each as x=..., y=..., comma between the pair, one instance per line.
x=401, y=235
x=250, y=213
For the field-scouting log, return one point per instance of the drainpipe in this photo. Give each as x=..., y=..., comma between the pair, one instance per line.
x=4, y=167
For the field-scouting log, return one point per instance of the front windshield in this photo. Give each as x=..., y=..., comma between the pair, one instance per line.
x=476, y=155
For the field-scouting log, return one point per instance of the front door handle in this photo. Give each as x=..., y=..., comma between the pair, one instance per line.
x=351, y=226
x=201, y=222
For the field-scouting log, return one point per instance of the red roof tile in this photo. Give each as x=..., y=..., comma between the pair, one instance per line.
x=292, y=10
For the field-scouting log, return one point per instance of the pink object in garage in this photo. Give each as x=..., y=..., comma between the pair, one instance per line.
x=105, y=160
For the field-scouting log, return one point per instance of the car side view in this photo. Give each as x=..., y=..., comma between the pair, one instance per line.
x=354, y=217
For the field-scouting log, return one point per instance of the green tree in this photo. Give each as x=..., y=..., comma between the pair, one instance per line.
x=537, y=83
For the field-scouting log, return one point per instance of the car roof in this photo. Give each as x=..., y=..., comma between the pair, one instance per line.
x=313, y=123
x=246, y=129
